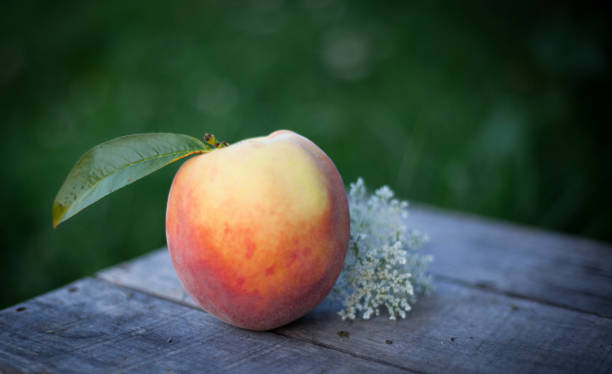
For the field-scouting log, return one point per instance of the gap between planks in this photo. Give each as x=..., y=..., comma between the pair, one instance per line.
x=443, y=278
x=479, y=285
x=486, y=287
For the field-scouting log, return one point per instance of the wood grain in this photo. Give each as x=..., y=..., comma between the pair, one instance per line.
x=462, y=329
x=458, y=328
x=92, y=326
x=508, y=298
x=548, y=267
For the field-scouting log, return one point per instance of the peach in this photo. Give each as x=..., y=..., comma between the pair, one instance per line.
x=258, y=230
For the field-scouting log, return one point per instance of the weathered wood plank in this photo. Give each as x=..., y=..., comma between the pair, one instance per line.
x=547, y=267
x=458, y=328
x=462, y=329
x=540, y=265
x=152, y=273
x=93, y=326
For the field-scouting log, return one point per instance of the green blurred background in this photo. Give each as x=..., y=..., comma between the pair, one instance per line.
x=497, y=109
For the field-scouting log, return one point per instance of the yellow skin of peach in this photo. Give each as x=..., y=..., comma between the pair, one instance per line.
x=258, y=231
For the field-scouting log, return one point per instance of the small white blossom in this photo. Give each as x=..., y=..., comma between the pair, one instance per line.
x=382, y=266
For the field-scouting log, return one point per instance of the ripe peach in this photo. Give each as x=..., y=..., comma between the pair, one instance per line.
x=258, y=231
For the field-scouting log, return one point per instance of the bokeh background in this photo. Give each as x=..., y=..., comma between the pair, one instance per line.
x=496, y=109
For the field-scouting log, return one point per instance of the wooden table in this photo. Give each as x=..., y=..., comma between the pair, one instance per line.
x=508, y=299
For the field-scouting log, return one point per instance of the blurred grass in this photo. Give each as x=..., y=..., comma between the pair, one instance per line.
x=493, y=109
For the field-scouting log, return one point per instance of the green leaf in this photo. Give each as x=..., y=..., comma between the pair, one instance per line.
x=116, y=163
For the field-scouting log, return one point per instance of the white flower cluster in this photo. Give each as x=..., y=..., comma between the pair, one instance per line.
x=382, y=266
